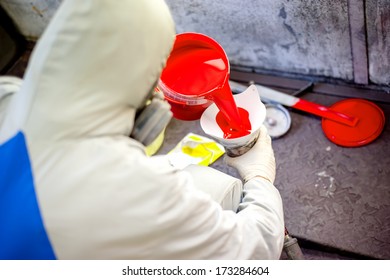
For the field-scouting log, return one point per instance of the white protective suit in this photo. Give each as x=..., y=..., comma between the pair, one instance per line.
x=99, y=195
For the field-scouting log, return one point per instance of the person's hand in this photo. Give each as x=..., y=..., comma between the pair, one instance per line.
x=259, y=161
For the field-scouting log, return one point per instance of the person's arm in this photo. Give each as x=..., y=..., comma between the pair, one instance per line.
x=223, y=188
x=198, y=228
x=262, y=203
x=261, y=200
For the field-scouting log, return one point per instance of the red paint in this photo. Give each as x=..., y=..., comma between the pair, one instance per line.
x=228, y=131
x=194, y=71
x=371, y=121
x=198, y=67
x=235, y=118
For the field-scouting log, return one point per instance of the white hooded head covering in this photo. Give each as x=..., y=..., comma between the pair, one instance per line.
x=92, y=68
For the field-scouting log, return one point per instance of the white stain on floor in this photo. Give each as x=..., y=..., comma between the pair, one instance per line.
x=325, y=184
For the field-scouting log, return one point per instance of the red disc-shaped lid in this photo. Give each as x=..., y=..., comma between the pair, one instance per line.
x=371, y=121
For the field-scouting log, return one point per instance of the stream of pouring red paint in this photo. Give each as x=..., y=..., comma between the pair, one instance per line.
x=199, y=70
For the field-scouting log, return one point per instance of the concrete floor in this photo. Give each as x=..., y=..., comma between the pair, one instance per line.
x=336, y=200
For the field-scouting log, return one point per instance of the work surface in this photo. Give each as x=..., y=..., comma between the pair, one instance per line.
x=333, y=196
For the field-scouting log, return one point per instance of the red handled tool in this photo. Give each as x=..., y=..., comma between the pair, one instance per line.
x=350, y=122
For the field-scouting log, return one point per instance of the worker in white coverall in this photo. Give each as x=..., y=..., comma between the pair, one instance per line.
x=74, y=185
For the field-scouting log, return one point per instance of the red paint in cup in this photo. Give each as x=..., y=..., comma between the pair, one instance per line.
x=195, y=76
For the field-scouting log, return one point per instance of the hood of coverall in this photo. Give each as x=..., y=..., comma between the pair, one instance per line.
x=93, y=67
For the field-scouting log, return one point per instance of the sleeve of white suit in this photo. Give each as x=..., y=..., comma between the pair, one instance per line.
x=202, y=230
x=262, y=203
x=223, y=188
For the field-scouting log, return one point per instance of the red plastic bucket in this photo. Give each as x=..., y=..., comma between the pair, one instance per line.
x=196, y=69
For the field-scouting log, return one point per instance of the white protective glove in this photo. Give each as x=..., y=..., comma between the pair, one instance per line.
x=259, y=161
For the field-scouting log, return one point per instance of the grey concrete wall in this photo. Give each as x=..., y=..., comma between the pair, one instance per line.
x=31, y=16
x=305, y=37
x=311, y=37
x=378, y=39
